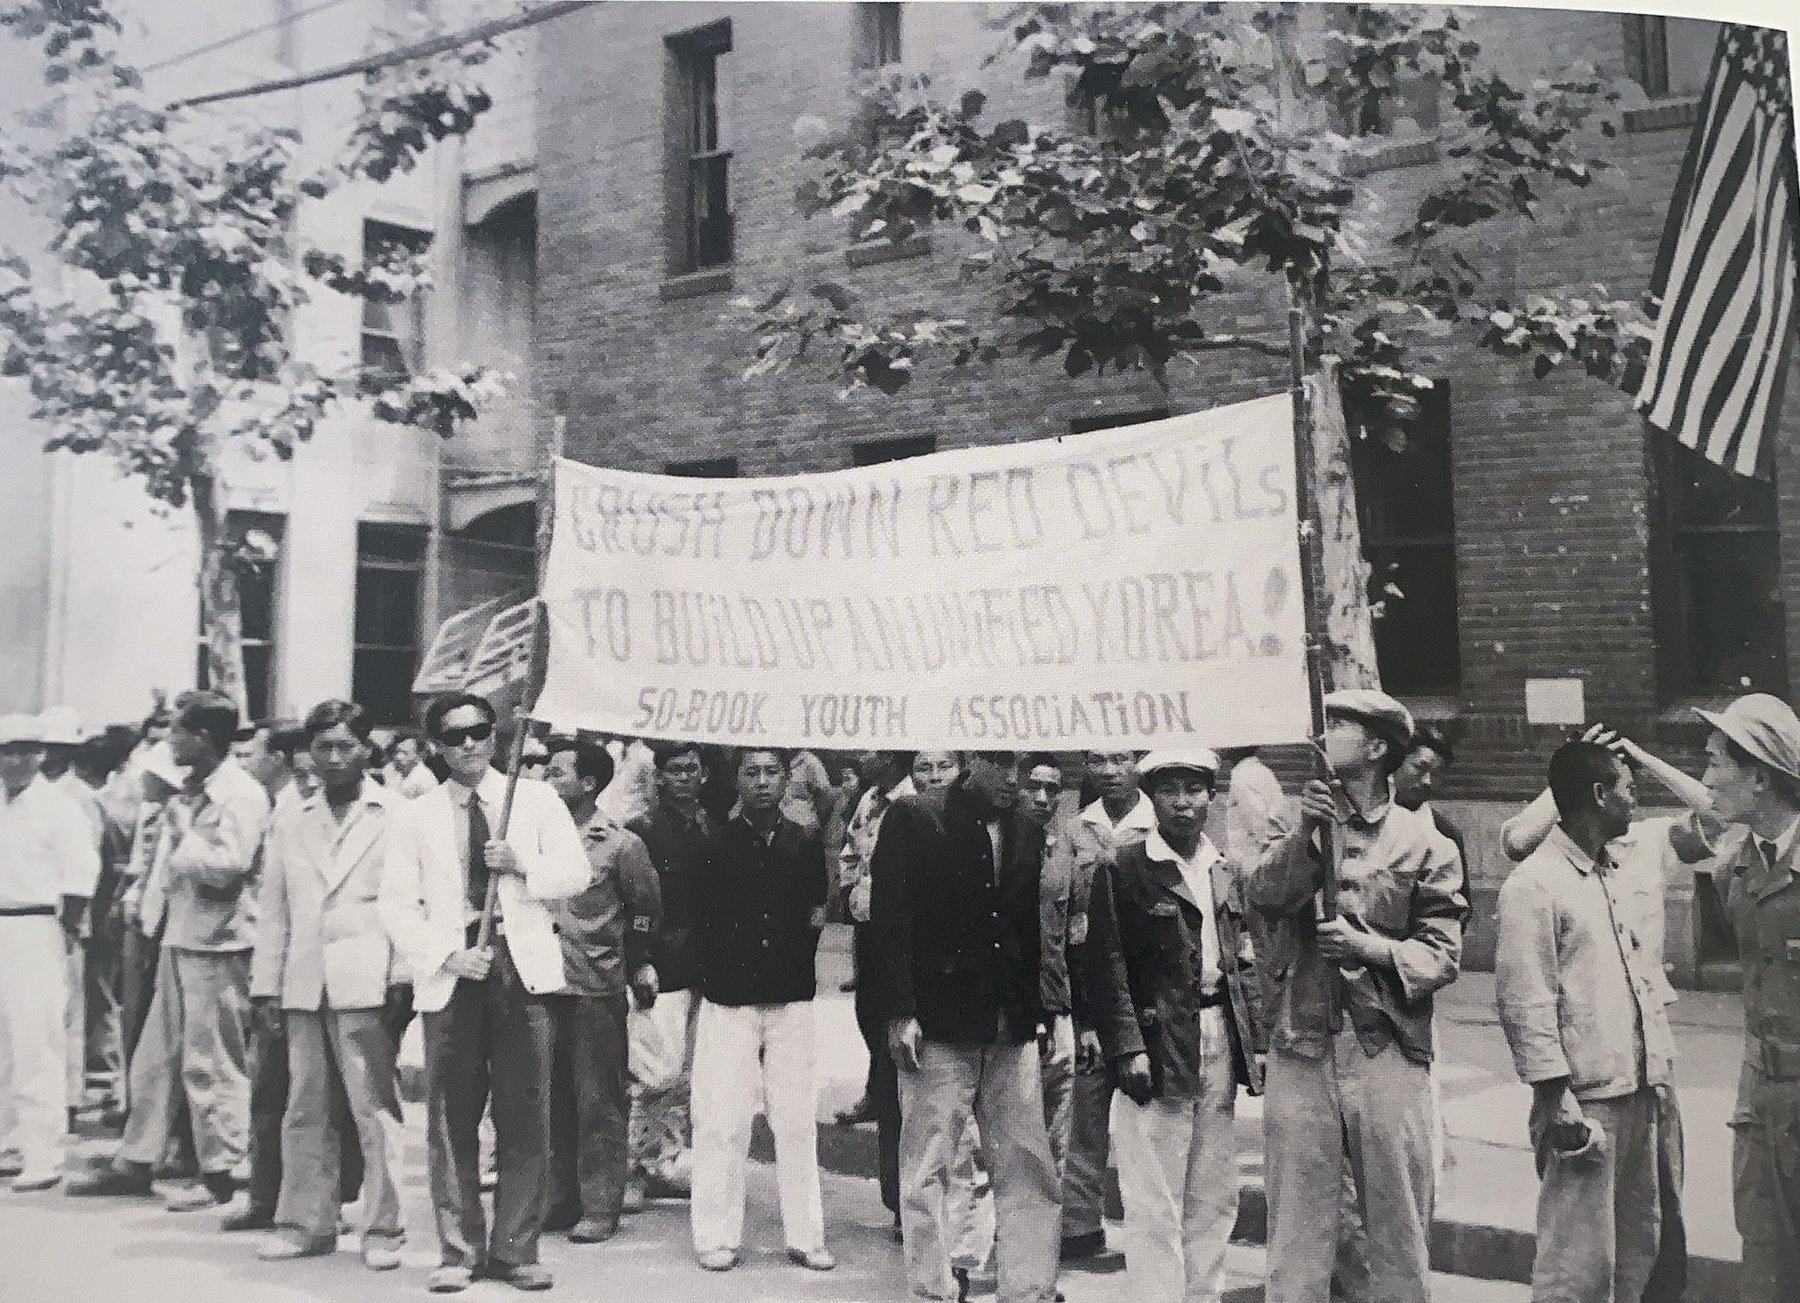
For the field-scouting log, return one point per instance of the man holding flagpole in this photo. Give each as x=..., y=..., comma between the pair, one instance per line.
x=487, y=1027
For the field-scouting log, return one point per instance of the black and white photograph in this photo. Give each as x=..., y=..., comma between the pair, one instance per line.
x=690, y=651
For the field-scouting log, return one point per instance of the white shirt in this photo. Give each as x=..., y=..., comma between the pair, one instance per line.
x=47, y=847
x=1196, y=871
x=1138, y=822
x=417, y=782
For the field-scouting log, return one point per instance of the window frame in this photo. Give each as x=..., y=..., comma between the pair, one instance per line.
x=879, y=35
x=1673, y=542
x=414, y=536
x=372, y=327
x=699, y=158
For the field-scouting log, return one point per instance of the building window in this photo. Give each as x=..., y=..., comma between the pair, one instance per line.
x=873, y=452
x=1669, y=56
x=1721, y=619
x=255, y=539
x=877, y=35
x=704, y=468
x=390, y=583
x=1405, y=509
x=703, y=163
x=393, y=334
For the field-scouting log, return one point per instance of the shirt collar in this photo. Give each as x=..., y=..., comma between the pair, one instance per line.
x=491, y=789
x=373, y=794
x=1156, y=848
x=1583, y=862
x=223, y=778
x=1139, y=818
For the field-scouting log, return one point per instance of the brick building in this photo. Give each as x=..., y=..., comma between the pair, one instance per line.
x=1537, y=537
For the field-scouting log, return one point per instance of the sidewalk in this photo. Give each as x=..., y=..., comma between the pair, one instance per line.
x=1488, y=1199
x=1487, y=1202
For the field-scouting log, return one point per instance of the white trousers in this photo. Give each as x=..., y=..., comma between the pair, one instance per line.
x=33, y=1089
x=744, y=1055
x=1178, y=1177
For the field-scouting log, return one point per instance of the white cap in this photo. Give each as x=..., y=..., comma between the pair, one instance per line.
x=21, y=728
x=61, y=726
x=1201, y=760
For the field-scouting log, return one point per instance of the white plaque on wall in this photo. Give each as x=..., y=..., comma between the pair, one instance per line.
x=1554, y=701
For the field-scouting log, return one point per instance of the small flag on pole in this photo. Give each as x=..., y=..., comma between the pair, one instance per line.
x=447, y=662
x=1725, y=281
x=503, y=656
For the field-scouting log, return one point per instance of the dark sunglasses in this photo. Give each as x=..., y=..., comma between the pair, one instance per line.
x=455, y=737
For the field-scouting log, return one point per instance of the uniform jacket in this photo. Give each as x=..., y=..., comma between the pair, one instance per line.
x=1401, y=879
x=1578, y=989
x=953, y=943
x=424, y=885
x=1075, y=850
x=1142, y=970
x=681, y=852
x=319, y=939
x=608, y=927
x=1763, y=905
x=759, y=907
x=209, y=873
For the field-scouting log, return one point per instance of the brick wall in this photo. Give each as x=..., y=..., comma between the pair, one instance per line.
x=1551, y=495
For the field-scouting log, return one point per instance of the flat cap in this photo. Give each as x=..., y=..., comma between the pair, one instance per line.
x=15, y=729
x=1199, y=760
x=1387, y=718
x=1763, y=725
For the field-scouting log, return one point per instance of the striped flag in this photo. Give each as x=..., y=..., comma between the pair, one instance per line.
x=1725, y=280
x=504, y=655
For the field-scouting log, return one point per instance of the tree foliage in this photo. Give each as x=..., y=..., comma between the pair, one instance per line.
x=1230, y=149
x=158, y=330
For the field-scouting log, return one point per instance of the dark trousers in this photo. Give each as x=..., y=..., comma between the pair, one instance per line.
x=590, y=1108
x=884, y=1081
x=496, y=1036
x=269, y=1085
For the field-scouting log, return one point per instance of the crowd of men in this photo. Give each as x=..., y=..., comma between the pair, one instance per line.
x=216, y=936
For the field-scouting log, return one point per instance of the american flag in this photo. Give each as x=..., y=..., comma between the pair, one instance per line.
x=1725, y=280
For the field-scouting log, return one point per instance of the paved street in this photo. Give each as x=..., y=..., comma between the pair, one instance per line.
x=56, y=1248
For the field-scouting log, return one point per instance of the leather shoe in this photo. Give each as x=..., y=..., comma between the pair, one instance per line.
x=191, y=1199
x=113, y=1182
x=520, y=1275
x=594, y=1230
x=449, y=1280
x=813, y=1259
x=285, y=1248
x=248, y=1217
x=719, y=1259
x=31, y=1182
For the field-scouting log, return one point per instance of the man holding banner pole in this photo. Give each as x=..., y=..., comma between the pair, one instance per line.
x=1351, y=1082
x=469, y=868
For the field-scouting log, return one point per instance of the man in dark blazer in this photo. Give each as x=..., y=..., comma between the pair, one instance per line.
x=1172, y=990
x=955, y=944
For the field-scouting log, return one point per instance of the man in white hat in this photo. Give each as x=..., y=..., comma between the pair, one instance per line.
x=1349, y=1073
x=1169, y=972
x=1753, y=777
x=46, y=861
x=62, y=733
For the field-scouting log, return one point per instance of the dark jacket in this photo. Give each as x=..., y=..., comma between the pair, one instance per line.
x=1141, y=968
x=607, y=930
x=951, y=943
x=758, y=910
x=681, y=851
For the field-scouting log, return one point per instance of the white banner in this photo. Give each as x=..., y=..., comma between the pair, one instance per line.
x=1136, y=587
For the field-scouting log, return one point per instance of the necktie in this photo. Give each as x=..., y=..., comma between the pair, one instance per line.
x=1768, y=852
x=478, y=840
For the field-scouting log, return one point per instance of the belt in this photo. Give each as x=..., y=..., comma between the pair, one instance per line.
x=1215, y=998
x=27, y=911
x=1778, y=1062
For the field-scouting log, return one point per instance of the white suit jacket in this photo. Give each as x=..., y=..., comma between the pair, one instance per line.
x=424, y=898
x=319, y=938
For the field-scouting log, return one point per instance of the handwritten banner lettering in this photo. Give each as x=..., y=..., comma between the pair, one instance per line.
x=1133, y=587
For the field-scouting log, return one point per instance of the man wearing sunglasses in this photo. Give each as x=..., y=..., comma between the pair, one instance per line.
x=487, y=1027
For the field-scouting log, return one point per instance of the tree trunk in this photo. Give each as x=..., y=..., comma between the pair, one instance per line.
x=1349, y=631
x=221, y=616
